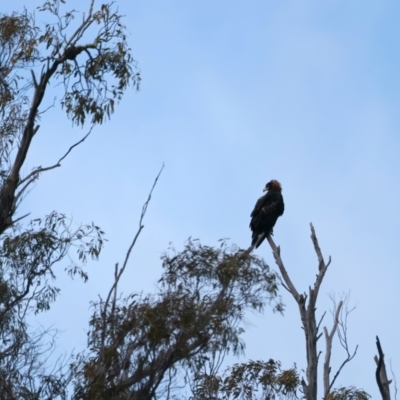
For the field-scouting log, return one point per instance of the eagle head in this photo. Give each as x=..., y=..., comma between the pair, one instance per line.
x=273, y=185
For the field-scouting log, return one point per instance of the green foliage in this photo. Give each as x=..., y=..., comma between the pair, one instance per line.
x=17, y=34
x=27, y=258
x=27, y=273
x=350, y=393
x=92, y=76
x=248, y=381
x=137, y=343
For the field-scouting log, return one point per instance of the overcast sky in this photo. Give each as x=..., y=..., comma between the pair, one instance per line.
x=234, y=94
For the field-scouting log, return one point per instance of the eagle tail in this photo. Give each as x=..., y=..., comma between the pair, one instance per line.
x=257, y=239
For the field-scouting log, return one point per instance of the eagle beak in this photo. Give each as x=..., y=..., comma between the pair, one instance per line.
x=265, y=189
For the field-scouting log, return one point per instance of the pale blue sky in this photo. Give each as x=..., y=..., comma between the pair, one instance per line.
x=234, y=94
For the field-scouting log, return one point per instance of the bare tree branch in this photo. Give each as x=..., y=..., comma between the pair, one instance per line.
x=341, y=330
x=307, y=313
x=141, y=226
x=276, y=251
x=119, y=272
x=381, y=376
x=30, y=178
x=348, y=359
x=328, y=351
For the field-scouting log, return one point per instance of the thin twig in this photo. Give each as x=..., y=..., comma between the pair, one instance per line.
x=328, y=352
x=341, y=330
x=119, y=272
x=19, y=219
x=348, y=359
x=37, y=171
x=85, y=24
x=320, y=321
x=141, y=226
x=30, y=178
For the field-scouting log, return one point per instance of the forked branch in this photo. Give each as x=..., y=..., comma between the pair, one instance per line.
x=307, y=308
x=341, y=329
x=328, y=341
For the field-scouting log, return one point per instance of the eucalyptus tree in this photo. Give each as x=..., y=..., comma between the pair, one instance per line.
x=93, y=75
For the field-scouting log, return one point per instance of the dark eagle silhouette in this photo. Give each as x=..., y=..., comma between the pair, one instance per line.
x=266, y=211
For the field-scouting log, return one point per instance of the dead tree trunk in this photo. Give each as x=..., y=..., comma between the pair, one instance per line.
x=307, y=303
x=307, y=308
x=381, y=377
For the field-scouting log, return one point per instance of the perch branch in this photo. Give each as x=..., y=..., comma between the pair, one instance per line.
x=276, y=252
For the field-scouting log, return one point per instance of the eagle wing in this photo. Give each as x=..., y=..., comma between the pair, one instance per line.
x=258, y=206
x=266, y=211
x=274, y=205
